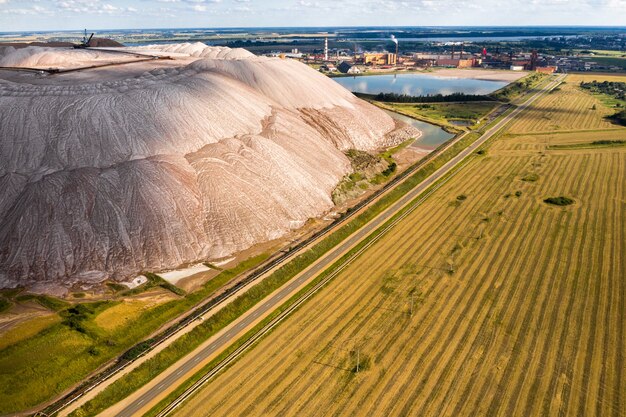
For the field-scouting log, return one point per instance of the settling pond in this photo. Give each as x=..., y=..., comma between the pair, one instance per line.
x=417, y=84
x=432, y=136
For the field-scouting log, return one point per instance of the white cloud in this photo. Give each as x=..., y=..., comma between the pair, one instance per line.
x=66, y=14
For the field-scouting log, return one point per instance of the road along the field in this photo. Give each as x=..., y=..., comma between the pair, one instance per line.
x=143, y=399
x=494, y=304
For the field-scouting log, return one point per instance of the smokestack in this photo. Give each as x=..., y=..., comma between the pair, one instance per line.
x=325, y=49
x=394, y=40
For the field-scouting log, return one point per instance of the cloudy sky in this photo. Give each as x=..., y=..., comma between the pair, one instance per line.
x=16, y=15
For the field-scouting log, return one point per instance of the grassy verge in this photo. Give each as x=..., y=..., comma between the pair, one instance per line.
x=445, y=114
x=73, y=346
x=46, y=301
x=149, y=369
x=519, y=87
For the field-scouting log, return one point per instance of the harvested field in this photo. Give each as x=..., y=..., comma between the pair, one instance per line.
x=568, y=109
x=514, y=144
x=517, y=306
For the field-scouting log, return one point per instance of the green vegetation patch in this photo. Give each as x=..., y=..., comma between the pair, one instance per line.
x=559, y=201
x=516, y=89
x=157, y=280
x=444, y=113
x=4, y=304
x=367, y=169
x=595, y=144
x=532, y=177
x=63, y=354
x=213, y=266
x=46, y=301
x=115, y=287
x=436, y=98
x=618, y=118
x=611, y=93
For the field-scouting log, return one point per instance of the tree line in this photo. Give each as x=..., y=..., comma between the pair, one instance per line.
x=436, y=98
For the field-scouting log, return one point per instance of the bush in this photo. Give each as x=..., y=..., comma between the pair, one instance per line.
x=559, y=201
x=530, y=177
x=619, y=118
x=608, y=142
x=137, y=350
x=518, y=193
x=390, y=169
x=4, y=304
x=116, y=287
x=46, y=301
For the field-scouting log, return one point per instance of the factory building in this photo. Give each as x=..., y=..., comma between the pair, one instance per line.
x=435, y=60
x=546, y=70
x=380, y=59
x=346, y=68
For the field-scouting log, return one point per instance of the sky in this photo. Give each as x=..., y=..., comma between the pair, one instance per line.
x=23, y=15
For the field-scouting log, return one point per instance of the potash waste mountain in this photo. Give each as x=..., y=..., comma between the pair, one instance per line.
x=154, y=163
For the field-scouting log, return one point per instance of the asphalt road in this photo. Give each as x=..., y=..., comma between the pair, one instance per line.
x=290, y=288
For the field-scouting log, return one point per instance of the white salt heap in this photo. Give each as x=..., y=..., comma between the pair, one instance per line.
x=153, y=165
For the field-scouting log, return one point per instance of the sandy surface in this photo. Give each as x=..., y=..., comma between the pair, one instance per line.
x=176, y=275
x=480, y=74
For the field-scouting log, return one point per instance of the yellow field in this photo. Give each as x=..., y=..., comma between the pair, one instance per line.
x=518, y=306
x=26, y=329
x=567, y=109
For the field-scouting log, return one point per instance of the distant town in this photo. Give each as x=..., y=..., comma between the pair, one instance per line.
x=358, y=50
